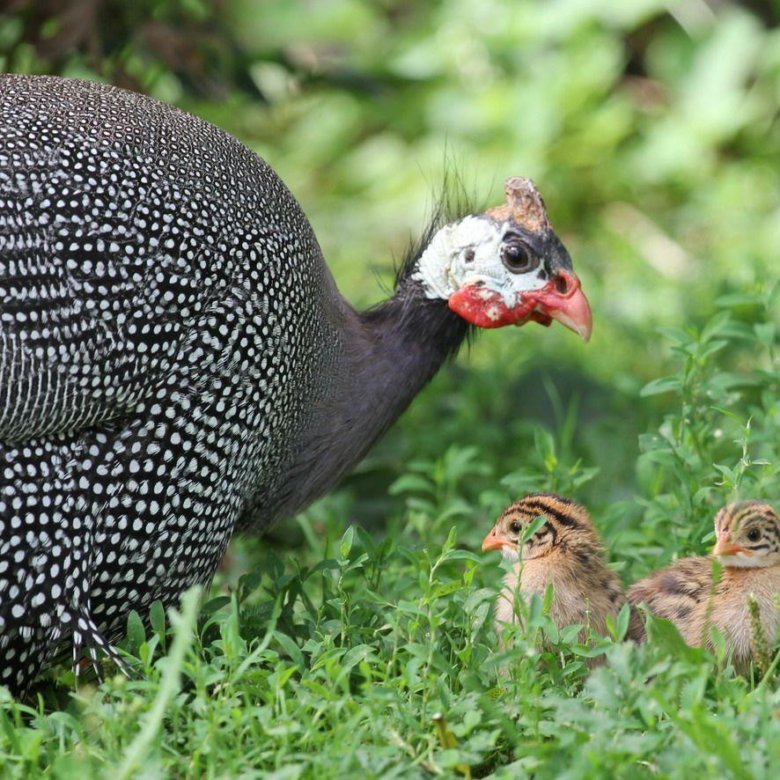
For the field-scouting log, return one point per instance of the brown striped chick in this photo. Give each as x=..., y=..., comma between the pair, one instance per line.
x=748, y=548
x=564, y=552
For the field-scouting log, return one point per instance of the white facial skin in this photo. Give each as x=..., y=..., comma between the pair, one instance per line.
x=469, y=251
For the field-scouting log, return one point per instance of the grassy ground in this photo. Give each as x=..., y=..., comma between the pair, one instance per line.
x=357, y=640
x=347, y=652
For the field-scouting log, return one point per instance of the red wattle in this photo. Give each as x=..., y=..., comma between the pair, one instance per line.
x=486, y=308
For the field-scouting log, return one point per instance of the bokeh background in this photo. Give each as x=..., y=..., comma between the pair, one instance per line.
x=651, y=128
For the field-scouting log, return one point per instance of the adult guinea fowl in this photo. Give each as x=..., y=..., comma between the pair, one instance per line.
x=176, y=361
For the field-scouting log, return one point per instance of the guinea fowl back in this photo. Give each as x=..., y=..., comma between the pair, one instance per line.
x=141, y=248
x=136, y=232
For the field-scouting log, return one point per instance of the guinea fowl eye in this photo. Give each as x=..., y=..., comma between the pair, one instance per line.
x=753, y=535
x=515, y=527
x=518, y=258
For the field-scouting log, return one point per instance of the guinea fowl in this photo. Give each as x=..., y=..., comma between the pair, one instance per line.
x=748, y=548
x=565, y=552
x=176, y=362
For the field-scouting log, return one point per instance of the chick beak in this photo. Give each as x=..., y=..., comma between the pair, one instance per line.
x=493, y=541
x=562, y=299
x=723, y=546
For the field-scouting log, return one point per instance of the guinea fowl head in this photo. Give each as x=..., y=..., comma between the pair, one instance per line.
x=566, y=525
x=747, y=535
x=505, y=267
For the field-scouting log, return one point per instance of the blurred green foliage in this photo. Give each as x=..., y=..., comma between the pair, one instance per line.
x=652, y=129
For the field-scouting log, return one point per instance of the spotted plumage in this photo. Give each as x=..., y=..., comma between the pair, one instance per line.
x=175, y=359
x=697, y=599
x=564, y=551
x=158, y=332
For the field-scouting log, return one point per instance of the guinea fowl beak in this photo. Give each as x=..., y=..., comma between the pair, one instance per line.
x=724, y=547
x=563, y=300
x=493, y=541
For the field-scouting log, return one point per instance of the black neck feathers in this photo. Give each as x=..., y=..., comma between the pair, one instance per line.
x=387, y=355
x=417, y=326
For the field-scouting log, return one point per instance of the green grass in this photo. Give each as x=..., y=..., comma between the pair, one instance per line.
x=330, y=647
x=335, y=657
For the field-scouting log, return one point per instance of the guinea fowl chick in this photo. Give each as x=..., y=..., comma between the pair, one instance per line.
x=748, y=548
x=564, y=552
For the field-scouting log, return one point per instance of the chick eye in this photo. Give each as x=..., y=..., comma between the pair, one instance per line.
x=753, y=535
x=518, y=258
x=515, y=527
